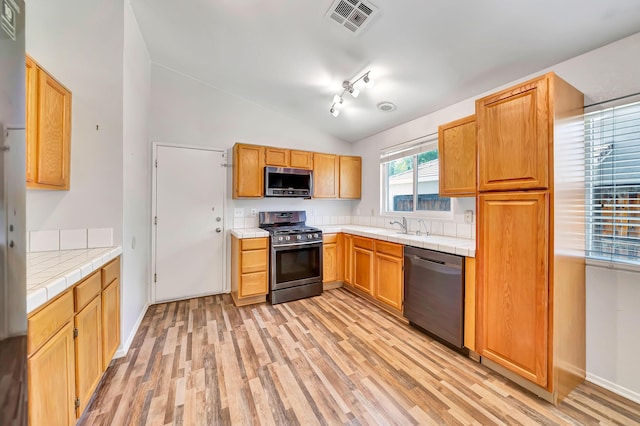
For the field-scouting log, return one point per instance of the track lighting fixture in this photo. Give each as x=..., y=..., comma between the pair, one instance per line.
x=349, y=87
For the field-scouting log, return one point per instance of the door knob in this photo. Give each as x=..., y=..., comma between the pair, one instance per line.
x=218, y=230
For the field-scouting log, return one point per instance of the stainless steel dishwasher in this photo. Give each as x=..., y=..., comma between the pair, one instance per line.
x=434, y=294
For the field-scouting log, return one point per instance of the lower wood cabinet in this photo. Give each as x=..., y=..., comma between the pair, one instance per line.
x=348, y=260
x=110, y=322
x=332, y=258
x=363, y=264
x=66, y=340
x=249, y=266
x=88, y=344
x=51, y=376
x=389, y=278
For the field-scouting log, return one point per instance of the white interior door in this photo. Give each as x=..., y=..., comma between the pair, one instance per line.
x=189, y=230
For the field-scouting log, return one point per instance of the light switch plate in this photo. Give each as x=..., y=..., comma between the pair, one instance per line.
x=238, y=212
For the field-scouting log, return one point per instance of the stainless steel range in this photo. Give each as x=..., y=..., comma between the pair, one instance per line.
x=295, y=256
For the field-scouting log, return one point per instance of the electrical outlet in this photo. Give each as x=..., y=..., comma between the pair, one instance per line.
x=468, y=216
x=254, y=212
x=238, y=212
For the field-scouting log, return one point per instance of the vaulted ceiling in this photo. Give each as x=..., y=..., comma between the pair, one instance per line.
x=423, y=55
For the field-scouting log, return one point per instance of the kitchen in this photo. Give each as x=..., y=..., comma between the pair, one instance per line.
x=111, y=180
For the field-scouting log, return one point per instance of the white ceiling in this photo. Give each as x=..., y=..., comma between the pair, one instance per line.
x=423, y=55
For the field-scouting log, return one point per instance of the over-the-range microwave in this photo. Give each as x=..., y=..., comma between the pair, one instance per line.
x=285, y=182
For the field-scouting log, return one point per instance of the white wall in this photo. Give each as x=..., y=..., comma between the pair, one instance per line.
x=613, y=298
x=185, y=111
x=136, y=243
x=80, y=43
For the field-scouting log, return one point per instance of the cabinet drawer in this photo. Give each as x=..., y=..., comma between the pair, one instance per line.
x=43, y=324
x=110, y=272
x=390, y=249
x=330, y=238
x=87, y=290
x=253, y=243
x=253, y=284
x=365, y=243
x=254, y=261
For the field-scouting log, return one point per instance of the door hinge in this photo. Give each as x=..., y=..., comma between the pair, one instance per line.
x=155, y=278
x=156, y=163
x=75, y=332
x=155, y=220
x=77, y=403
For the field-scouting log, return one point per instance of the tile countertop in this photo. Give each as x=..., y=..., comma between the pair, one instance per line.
x=249, y=233
x=453, y=245
x=49, y=273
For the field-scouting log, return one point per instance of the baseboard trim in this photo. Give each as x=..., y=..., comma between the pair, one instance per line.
x=613, y=387
x=122, y=350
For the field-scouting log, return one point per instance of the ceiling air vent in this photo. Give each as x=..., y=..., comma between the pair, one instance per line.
x=353, y=15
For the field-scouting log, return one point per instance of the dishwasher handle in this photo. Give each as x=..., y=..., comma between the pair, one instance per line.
x=435, y=264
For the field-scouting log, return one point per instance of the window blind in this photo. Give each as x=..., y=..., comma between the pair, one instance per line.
x=413, y=147
x=612, y=177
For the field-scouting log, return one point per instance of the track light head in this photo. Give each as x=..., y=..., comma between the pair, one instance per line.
x=334, y=111
x=368, y=81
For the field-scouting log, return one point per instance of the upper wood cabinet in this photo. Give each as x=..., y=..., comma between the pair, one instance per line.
x=457, y=153
x=350, y=177
x=48, y=130
x=513, y=137
x=513, y=293
x=282, y=157
x=277, y=157
x=325, y=176
x=301, y=159
x=248, y=171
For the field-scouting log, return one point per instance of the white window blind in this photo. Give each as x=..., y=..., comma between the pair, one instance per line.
x=413, y=147
x=612, y=143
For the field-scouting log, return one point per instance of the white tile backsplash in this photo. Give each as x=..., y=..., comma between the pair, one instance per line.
x=437, y=228
x=44, y=240
x=99, y=237
x=464, y=230
x=72, y=239
x=450, y=229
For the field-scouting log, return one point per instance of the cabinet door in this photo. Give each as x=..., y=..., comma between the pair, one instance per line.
x=248, y=171
x=513, y=284
x=348, y=260
x=513, y=138
x=51, y=373
x=110, y=322
x=325, y=176
x=301, y=159
x=88, y=351
x=457, y=154
x=363, y=269
x=31, y=77
x=54, y=133
x=389, y=280
x=277, y=157
x=329, y=263
x=350, y=177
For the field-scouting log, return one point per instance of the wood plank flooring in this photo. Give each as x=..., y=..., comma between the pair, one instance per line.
x=13, y=381
x=332, y=359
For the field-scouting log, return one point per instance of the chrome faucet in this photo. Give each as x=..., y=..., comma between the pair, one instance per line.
x=402, y=224
x=420, y=221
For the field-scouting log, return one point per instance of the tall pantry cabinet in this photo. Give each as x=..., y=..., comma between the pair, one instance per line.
x=531, y=270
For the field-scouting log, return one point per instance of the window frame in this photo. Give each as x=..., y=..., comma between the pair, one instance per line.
x=593, y=216
x=414, y=148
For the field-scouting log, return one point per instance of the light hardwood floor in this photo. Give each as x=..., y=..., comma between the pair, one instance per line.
x=332, y=359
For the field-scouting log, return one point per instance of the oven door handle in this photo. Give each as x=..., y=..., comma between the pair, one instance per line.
x=284, y=246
